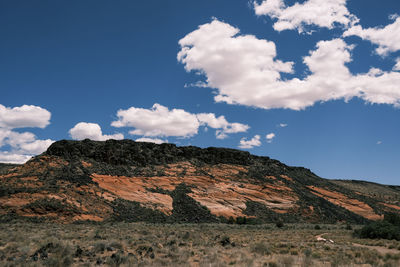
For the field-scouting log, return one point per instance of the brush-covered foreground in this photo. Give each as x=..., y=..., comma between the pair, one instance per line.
x=141, y=244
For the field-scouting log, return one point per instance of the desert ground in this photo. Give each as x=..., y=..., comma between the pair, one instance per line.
x=143, y=244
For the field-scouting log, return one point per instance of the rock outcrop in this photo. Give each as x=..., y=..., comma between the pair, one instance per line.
x=134, y=181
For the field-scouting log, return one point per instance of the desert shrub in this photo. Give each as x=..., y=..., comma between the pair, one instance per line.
x=131, y=211
x=116, y=259
x=225, y=241
x=241, y=220
x=261, y=248
x=388, y=228
x=317, y=227
x=186, y=236
x=45, y=205
x=99, y=247
x=307, y=252
x=54, y=254
x=286, y=261
x=392, y=218
x=116, y=245
x=279, y=224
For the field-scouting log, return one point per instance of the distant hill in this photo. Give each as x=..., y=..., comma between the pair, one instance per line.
x=133, y=181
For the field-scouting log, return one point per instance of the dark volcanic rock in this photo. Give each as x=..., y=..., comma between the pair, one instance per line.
x=128, y=152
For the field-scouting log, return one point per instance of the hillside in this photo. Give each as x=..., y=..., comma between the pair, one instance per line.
x=133, y=181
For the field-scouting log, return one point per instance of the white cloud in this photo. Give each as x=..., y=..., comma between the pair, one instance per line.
x=151, y=140
x=14, y=139
x=387, y=38
x=244, y=70
x=24, y=116
x=91, y=131
x=162, y=122
x=22, y=146
x=379, y=142
x=282, y=125
x=158, y=121
x=196, y=84
x=270, y=137
x=12, y=157
x=321, y=13
x=397, y=66
x=220, y=123
x=255, y=141
x=36, y=147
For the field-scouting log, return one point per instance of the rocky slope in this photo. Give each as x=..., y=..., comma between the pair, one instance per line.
x=132, y=181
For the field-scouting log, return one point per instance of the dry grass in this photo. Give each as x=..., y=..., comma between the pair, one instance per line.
x=139, y=244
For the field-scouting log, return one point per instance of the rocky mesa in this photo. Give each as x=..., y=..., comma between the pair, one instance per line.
x=134, y=181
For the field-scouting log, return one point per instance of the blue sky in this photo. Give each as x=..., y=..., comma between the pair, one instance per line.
x=326, y=85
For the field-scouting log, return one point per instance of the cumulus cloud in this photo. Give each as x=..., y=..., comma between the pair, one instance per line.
x=282, y=125
x=161, y=121
x=321, y=13
x=23, y=117
x=158, y=121
x=270, y=137
x=244, y=70
x=91, y=131
x=255, y=141
x=151, y=140
x=22, y=145
x=387, y=38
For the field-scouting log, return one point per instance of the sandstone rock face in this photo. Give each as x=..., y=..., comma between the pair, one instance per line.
x=133, y=181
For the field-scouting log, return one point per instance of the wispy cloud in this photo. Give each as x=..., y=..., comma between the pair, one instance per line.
x=151, y=140
x=270, y=137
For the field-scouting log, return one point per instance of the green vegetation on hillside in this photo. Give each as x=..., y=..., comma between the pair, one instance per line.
x=388, y=228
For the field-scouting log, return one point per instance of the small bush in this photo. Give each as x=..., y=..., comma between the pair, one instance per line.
x=307, y=252
x=279, y=224
x=241, y=220
x=225, y=241
x=116, y=259
x=261, y=248
x=116, y=245
x=99, y=247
